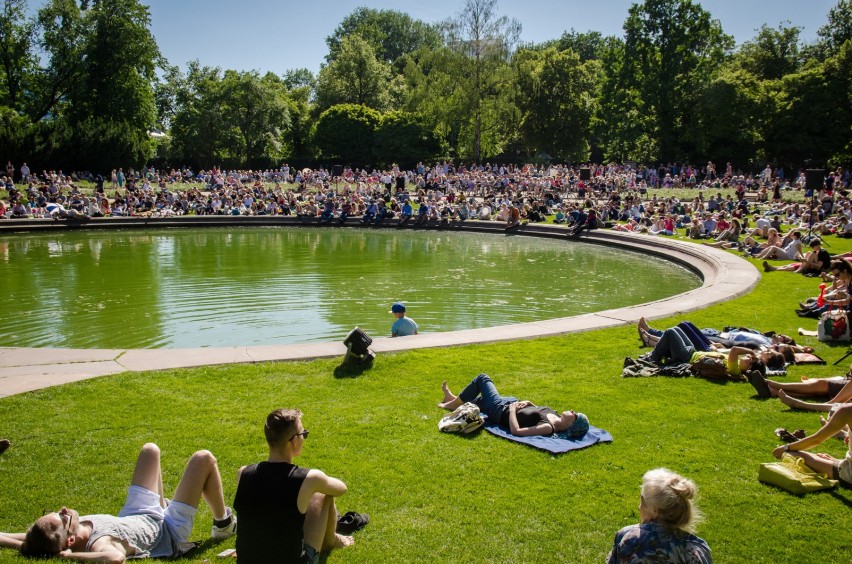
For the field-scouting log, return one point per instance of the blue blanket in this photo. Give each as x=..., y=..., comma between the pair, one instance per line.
x=552, y=444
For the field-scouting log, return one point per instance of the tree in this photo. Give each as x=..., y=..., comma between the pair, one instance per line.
x=201, y=135
x=588, y=46
x=345, y=133
x=17, y=60
x=485, y=43
x=731, y=113
x=771, y=55
x=838, y=30
x=405, y=139
x=257, y=108
x=391, y=34
x=671, y=49
x=355, y=76
x=557, y=100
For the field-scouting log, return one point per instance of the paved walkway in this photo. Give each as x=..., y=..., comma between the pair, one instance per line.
x=725, y=276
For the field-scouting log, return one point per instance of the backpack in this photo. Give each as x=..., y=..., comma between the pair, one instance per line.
x=465, y=419
x=710, y=367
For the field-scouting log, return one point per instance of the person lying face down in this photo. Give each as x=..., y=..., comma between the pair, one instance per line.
x=521, y=418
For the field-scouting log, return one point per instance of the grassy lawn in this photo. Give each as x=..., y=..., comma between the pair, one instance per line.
x=442, y=498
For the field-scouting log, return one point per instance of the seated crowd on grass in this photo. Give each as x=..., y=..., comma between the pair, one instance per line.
x=618, y=194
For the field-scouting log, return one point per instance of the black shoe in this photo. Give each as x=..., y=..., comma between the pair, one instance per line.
x=758, y=382
x=351, y=522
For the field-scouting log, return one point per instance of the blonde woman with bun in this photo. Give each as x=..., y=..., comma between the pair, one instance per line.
x=668, y=517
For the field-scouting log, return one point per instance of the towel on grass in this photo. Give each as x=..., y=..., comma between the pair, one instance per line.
x=552, y=444
x=807, y=358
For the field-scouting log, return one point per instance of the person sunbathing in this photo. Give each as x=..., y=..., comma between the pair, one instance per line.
x=680, y=346
x=147, y=526
x=521, y=418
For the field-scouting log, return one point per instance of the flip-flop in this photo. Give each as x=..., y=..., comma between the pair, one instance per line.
x=758, y=382
x=351, y=521
x=785, y=435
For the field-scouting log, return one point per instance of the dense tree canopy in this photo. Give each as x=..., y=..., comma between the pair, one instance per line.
x=83, y=85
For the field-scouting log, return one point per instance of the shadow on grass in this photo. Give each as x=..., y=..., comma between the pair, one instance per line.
x=351, y=370
x=842, y=494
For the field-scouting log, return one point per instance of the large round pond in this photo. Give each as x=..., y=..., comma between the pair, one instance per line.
x=265, y=286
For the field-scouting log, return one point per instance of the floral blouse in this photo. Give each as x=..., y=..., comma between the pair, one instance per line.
x=650, y=542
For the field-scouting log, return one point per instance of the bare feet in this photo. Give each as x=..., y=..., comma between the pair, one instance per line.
x=448, y=395
x=342, y=541
x=790, y=401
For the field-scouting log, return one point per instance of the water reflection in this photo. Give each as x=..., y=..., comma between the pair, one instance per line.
x=190, y=288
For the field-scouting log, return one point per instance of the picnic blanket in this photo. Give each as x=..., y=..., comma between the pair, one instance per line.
x=644, y=367
x=552, y=444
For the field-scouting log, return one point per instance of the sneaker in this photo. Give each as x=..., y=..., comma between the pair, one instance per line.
x=229, y=530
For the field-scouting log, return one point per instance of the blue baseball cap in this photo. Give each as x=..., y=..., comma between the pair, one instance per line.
x=397, y=308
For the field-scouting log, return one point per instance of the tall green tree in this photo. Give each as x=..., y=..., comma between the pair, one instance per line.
x=390, y=33
x=773, y=54
x=484, y=41
x=17, y=59
x=557, y=99
x=838, y=30
x=355, y=76
x=672, y=48
x=258, y=109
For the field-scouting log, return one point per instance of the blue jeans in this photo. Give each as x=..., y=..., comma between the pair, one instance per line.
x=674, y=344
x=698, y=339
x=483, y=393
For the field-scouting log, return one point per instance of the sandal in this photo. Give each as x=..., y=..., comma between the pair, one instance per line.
x=351, y=521
x=785, y=435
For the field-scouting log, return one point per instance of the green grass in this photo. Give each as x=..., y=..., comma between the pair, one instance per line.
x=442, y=498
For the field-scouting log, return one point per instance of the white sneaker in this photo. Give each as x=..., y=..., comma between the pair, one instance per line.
x=219, y=533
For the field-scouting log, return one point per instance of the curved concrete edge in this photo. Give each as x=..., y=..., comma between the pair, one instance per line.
x=725, y=276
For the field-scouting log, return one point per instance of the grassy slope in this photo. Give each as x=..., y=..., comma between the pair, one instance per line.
x=443, y=498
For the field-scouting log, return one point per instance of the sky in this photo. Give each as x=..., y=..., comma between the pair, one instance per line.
x=278, y=35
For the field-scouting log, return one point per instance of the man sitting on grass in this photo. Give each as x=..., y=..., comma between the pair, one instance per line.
x=287, y=513
x=147, y=526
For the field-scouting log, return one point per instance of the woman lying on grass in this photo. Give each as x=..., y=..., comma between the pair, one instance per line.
x=668, y=518
x=837, y=389
x=686, y=344
x=521, y=418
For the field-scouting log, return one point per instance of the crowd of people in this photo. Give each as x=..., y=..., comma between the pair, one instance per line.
x=621, y=196
x=291, y=511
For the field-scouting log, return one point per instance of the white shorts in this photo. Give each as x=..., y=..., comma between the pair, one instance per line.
x=179, y=517
x=844, y=470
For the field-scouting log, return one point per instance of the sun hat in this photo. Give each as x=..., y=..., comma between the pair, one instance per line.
x=398, y=307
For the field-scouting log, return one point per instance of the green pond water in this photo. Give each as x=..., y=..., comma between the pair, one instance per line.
x=263, y=286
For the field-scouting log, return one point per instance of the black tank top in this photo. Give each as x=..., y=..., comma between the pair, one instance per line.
x=270, y=526
x=534, y=415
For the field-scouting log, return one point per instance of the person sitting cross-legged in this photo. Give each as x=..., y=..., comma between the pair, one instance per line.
x=147, y=526
x=288, y=513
